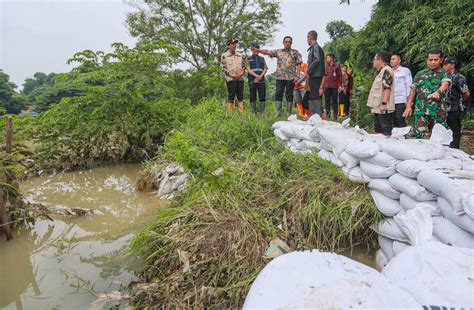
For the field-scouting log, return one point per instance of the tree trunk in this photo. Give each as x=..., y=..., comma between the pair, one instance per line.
x=4, y=216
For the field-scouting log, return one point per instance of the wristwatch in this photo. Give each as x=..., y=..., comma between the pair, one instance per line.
x=384, y=103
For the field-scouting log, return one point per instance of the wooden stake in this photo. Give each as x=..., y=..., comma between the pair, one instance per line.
x=4, y=216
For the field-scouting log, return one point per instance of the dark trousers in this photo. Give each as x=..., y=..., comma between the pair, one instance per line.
x=284, y=86
x=346, y=100
x=235, y=88
x=330, y=95
x=315, y=102
x=261, y=89
x=454, y=123
x=383, y=123
x=398, y=119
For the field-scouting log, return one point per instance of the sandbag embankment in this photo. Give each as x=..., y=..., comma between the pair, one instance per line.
x=401, y=174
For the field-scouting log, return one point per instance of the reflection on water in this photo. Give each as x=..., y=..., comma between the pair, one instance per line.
x=63, y=264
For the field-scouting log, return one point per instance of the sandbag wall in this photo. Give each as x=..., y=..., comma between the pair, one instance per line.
x=401, y=173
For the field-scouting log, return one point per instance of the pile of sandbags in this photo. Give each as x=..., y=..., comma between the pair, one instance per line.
x=401, y=174
x=428, y=275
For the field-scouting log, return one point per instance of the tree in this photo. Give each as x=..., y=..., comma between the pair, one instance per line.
x=418, y=26
x=200, y=28
x=9, y=100
x=338, y=29
x=39, y=79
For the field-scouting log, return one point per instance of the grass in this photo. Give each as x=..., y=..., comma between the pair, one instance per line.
x=223, y=224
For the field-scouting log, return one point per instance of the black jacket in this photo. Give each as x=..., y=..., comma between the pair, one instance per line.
x=316, y=61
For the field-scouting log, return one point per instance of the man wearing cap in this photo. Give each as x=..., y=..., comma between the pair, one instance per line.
x=287, y=71
x=256, y=69
x=233, y=65
x=456, y=97
x=429, y=87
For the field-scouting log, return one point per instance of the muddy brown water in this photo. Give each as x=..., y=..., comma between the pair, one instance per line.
x=65, y=264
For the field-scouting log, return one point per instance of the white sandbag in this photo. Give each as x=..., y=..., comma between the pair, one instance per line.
x=362, y=149
x=280, y=135
x=312, y=145
x=384, y=187
x=450, y=234
x=380, y=259
x=385, y=245
x=410, y=168
x=389, y=228
x=468, y=205
x=317, y=280
x=455, y=186
x=398, y=247
x=467, y=165
x=456, y=153
x=408, y=203
x=277, y=125
x=315, y=120
x=356, y=175
x=441, y=135
x=330, y=156
x=411, y=188
x=337, y=138
x=296, y=130
x=349, y=160
x=299, y=151
x=412, y=149
x=389, y=207
x=435, y=274
x=375, y=171
x=400, y=132
x=382, y=159
x=325, y=146
x=293, y=118
x=463, y=221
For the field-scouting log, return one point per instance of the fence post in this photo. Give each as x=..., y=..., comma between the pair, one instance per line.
x=4, y=216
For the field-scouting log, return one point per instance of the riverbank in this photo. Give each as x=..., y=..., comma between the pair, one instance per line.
x=207, y=248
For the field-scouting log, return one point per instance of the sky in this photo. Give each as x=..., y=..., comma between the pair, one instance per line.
x=41, y=35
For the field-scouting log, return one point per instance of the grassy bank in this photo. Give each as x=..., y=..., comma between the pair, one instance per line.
x=223, y=224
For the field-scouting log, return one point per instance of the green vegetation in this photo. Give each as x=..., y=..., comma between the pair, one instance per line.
x=9, y=101
x=200, y=28
x=225, y=221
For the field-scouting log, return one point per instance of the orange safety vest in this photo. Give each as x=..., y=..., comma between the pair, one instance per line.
x=301, y=85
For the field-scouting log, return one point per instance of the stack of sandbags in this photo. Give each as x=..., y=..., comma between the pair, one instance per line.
x=401, y=174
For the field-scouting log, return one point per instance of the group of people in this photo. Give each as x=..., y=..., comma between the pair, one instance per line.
x=437, y=94
x=301, y=83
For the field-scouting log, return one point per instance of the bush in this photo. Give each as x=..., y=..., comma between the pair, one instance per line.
x=223, y=224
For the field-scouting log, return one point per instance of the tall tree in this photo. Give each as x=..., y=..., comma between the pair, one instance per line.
x=8, y=96
x=200, y=28
x=338, y=29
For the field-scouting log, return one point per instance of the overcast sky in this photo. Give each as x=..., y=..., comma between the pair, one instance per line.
x=40, y=35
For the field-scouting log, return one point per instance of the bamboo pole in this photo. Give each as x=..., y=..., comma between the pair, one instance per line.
x=4, y=215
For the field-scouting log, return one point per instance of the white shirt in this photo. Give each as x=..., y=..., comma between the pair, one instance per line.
x=403, y=81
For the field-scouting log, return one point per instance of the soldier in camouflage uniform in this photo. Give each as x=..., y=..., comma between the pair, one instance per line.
x=288, y=68
x=429, y=87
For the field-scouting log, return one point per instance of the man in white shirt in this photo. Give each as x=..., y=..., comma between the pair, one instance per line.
x=403, y=81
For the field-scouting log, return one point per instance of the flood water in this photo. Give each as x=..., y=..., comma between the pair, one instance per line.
x=65, y=264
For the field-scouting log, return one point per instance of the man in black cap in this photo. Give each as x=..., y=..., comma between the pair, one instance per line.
x=233, y=65
x=256, y=69
x=456, y=97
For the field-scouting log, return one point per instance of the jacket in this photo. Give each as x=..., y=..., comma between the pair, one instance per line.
x=316, y=61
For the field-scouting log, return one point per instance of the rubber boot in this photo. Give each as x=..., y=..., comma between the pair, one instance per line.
x=262, y=107
x=300, y=109
x=241, y=107
x=254, y=108
x=230, y=107
x=323, y=116
x=278, y=108
x=341, y=109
